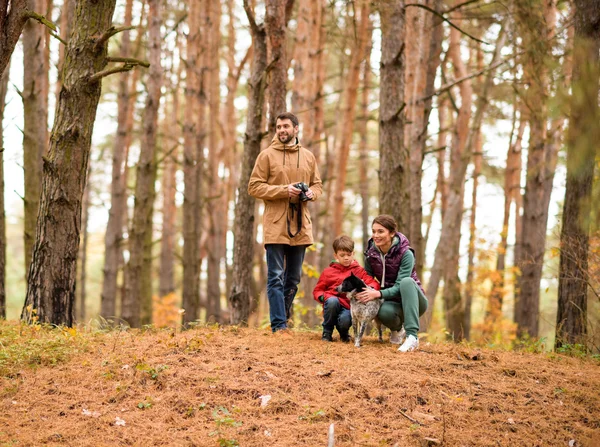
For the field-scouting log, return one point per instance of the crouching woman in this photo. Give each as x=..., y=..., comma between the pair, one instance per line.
x=390, y=259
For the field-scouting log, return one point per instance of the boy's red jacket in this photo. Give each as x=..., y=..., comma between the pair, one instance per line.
x=333, y=276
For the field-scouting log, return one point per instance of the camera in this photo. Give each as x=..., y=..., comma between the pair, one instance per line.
x=304, y=188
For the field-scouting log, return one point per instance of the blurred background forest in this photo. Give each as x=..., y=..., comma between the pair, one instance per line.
x=451, y=115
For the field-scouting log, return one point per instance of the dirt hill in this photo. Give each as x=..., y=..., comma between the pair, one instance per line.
x=225, y=386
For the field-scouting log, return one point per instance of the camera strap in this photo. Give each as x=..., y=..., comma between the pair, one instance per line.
x=296, y=208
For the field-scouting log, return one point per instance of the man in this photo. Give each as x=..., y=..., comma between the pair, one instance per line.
x=287, y=227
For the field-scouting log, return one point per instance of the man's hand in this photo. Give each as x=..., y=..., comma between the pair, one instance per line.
x=293, y=191
x=310, y=194
x=368, y=295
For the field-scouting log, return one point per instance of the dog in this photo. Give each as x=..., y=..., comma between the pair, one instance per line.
x=361, y=313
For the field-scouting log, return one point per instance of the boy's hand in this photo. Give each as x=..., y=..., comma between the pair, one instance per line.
x=368, y=295
x=321, y=299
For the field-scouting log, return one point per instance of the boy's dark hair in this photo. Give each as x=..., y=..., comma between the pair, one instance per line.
x=288, y=116
x=343, y=243
x=387, y=222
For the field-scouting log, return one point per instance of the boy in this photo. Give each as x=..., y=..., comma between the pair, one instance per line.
x=336, y=307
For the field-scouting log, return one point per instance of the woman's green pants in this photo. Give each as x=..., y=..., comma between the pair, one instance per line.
x=412, y=305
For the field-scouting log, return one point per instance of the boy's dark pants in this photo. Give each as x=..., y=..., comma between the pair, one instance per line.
x=336, y=316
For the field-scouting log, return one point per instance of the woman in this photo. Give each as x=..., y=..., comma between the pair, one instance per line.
x=391, y=260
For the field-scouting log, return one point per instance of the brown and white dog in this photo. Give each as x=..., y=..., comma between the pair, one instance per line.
x=361, y=313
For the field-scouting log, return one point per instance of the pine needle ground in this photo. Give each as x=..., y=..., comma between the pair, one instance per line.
x=228, y=386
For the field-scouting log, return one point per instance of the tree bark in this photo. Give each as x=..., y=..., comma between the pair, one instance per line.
x=139, y=293
x=243, y=251
x=393, y=154
x=66, y=21
x=192, y=171
x=35, y=129
x=13, y=16
x=363, y=166
x=426, y=57
x=540, y=164
x=217, y=218
x=113, y=238
x=52, y=274
x=81, y=289
x=582, y=152
x=3, y=90
x=166, y=283
x=276, y=27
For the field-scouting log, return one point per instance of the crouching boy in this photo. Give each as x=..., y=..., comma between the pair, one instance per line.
x=336, y=307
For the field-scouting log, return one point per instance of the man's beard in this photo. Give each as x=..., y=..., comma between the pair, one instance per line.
x=286, y=141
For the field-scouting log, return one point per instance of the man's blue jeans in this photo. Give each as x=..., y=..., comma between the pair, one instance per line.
x=336, y=316
x=284, y=269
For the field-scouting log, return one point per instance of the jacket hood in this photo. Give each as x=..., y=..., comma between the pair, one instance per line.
x=276, y=144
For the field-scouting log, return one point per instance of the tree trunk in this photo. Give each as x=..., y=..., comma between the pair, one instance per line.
x=139, y=293
x=348, y=113
x=13, y=16
x=3, y=90
x=393, y=154
x=35, y=129
x=301, y=86
x=217, y=203
x=243, y=251
x=67, y=12
x=582, y=152
x=427, y=61
x=512, y=190
x=52, y=274
x=276, y=27
x=166, y=283
x=81, y=289
x=192, y=171
x=540, y=172
x=447, y=250
x=363, y=165
x=113, y=237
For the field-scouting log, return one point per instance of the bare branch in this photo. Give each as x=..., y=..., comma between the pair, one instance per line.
x=98, y=76
x=434, y=12
x=128, y=61
x=40, y=18
x=111, y=32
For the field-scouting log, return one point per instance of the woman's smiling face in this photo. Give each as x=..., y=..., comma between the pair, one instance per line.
x=382, y=236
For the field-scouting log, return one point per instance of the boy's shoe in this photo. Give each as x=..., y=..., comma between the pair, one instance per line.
x=326, y=336
x=345, y=337
x=397, y=337
x=410, y=344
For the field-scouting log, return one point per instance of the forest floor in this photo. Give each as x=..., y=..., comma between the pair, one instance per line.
x=228, y=386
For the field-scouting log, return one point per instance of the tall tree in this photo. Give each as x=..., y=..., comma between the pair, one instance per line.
x=363, y=166
x=192, y=169
x=3, y=90
x=113, y=237
x=276, y=27
x=35, y=129
x=217, y=218
x=348, y=113
x=166, y=283
x=422, y=62
x=51, y=280
x=532, y=19
x=81, y=289
x=138, y=271
x=582, y=152
x=13, y=16
x=393, y=155
x=243, y=250
x=67, y=13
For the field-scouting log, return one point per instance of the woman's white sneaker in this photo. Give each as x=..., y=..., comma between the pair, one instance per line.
x=410, y=344
x=397, y=337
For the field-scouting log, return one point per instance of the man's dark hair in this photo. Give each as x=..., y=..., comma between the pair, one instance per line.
x=288, y=116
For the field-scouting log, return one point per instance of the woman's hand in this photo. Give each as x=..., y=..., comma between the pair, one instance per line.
x=368, y=295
